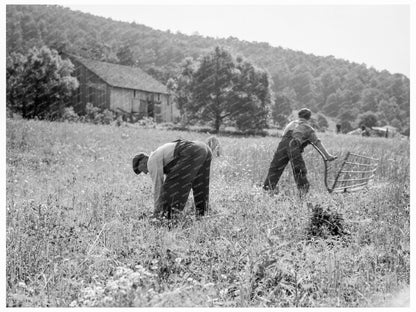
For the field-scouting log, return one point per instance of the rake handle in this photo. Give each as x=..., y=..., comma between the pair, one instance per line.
x=326, y=167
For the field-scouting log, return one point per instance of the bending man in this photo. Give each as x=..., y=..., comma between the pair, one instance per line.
x=175, y=169
x=296, y=136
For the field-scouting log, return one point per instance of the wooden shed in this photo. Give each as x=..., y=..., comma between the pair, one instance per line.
x=122, y=89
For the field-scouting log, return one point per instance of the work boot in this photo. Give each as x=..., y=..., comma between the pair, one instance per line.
x=272, y=192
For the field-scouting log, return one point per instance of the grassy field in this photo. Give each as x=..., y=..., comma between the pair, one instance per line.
x=78, y=232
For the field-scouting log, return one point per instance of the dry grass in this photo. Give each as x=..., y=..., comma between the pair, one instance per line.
x=78, y=233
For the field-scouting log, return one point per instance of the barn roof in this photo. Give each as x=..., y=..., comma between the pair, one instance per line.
x=123, y=76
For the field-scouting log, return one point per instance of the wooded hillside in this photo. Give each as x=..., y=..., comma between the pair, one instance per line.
x=338, y=88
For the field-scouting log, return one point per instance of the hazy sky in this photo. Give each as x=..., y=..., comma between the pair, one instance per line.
x=377, y=35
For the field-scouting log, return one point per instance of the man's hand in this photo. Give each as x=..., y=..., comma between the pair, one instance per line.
x=331, y=157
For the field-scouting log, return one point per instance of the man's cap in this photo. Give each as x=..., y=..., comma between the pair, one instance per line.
x=136, y=162
x=305, y=113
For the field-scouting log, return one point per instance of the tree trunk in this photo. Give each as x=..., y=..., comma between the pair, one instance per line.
x=217, y=124
x=24, y=110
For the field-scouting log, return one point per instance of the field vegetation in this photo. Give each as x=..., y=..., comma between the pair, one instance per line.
x=78, y=232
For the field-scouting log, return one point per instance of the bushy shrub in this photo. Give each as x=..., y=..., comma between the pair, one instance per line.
x=147, y=122
x=346, y=126
x=93, y=113
x=70, y=115
x=368, y=119
x=322, y=122
x=98, y=116
x=38, y=83
x=107, y=117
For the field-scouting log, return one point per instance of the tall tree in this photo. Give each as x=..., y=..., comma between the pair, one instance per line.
x=212, y=87
x=368, y=119
x=30, y=31
x=225, y=88
x=347, y=114
x=181, y=86
x=14, y=87
x=369, y=99
x=321, y=121
x=252, y=96
x=14, y=42
x=302, y=84
x=125, y=56
x=327, y=84
x=389, y=110
x=281, y=109
x=346, y=126
x=39, y=84
x=331, y=107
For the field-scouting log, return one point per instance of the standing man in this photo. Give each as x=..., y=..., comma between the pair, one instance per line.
x=296, y=136
x=338, y=126
x=175, y=169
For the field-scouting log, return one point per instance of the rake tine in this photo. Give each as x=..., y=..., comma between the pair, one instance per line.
x=349, y=189
x=350, y=186
x=368, y=171
x=366, y=157
x=359, y=164
x=362, y=179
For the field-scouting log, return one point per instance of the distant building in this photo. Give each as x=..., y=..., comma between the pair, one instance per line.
x=355, y=132
x=385, y=131
x=122, y=89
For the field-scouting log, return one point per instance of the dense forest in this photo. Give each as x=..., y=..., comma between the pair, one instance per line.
x=337, y=88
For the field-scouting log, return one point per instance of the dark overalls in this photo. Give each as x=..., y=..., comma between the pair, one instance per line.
x=289, y=149
x=189, y=169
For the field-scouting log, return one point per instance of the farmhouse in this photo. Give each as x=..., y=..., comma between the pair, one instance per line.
x=123, y=89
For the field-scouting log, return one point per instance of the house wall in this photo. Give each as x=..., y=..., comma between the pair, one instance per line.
x=165, y=110
x=169, y=111
x=144, y=103
x=92, y=89
x=121, y=98
x=129, y=101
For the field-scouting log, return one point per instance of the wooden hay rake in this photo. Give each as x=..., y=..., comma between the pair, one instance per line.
x=355, y=172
